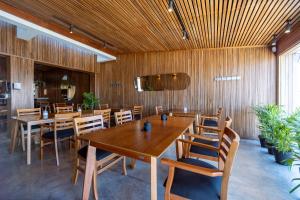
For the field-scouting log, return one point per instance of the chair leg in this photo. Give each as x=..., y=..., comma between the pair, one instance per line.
x=75, y=176
x=124, y=166
x=95, y=191
x=41, y=149
x=132, y=163
x=23, y=141
x=56, y=150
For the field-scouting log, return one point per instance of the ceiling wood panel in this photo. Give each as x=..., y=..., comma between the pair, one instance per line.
x=143, y=25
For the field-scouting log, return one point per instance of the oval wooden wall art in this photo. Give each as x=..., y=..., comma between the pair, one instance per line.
x=159, y=82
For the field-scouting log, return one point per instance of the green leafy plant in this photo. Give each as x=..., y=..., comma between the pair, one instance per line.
x=295, y=161
x=90, y=101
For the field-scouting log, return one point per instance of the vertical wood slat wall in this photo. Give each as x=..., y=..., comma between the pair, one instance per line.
x=256, y=66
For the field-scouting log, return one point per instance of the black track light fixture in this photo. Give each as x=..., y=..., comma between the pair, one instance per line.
x=274, y=40
x=288, y=26
x=71, y=29
x=184, y=34
x=170, y=5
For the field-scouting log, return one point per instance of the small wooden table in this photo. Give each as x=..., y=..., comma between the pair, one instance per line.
x=30, y=121
x=130, y=140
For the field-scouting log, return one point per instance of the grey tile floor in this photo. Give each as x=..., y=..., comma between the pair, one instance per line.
x=255, y=176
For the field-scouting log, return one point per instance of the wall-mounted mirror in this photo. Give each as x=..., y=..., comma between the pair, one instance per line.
x=159, y=82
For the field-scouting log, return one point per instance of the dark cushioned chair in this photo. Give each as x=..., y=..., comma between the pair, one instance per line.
x=60, y=134
x=208, y=122
x=196, y=179
x=204, y=151
x=196, y=186
x=100, y=154
x=32, y=127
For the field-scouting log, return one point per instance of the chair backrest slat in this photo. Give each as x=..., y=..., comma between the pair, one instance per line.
x=158, y=110
x=65, y=121
x=137, y=110
x=227, y=152
x=64, y=109
x=29, y=111
x=105, y=114
x=88, y=124
x=123, y=117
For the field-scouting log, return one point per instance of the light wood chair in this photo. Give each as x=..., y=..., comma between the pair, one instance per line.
x=103, y=106
x=23, y=126
x=211, y=120
x=61, y=130
x=123, y=117
x=208, y=136
x=196, y=179
x=158, y=110
x=137, y=112
x=58, y=105
x=106, y=114
x=64, y=109
x=104, y=158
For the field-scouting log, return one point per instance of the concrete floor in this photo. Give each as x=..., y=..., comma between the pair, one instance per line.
x=255, y=176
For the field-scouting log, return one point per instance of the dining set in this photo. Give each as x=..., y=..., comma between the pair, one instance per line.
x=100, y=143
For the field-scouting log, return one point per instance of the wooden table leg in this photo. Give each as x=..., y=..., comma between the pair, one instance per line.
x=89, y=172
x=179, y=149
x=28, y=143
x=153, y=178
x=14, y=133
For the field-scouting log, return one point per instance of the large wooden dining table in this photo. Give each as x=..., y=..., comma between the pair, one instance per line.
x=31, y=120
x=132, y=141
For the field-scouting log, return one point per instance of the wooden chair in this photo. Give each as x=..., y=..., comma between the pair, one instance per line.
x=209, y=136
x=123, y=117
x=106, y=114
x=103, y=106
x=196, y=179
x=64, y=109
x=61, y=130
x=211, y=120
x=137, y=112
x=58, y=105
x=159, y=110
x=104, y=158
x=23, y=126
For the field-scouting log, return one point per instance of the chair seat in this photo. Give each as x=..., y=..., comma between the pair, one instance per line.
x=34, y=127
x=196, y=186
x=60, y=134
x=204, y=151
x=100, y=154
x=209, y=122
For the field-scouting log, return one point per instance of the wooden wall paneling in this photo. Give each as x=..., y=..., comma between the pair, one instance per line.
x=255, y=65
x=21, y=72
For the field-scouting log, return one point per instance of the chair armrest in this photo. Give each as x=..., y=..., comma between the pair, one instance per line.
x=192, y=168
x=212, y=148
x=201, y=137
x=209, y=117
x=210, y=128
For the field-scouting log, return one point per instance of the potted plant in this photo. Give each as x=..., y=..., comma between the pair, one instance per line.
x=292, y=162
x=90, y=101
x=260, y=112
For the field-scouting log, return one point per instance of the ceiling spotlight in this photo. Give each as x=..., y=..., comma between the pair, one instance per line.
x=171, y=5
x=184, y=35
x=288, y=26
x=274, y=40
x=71, y=28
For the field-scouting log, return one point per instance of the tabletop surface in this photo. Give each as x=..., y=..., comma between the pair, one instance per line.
x=32, y=118
x=130, y=137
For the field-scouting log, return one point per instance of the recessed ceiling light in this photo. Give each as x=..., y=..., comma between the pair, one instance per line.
x=171, y=5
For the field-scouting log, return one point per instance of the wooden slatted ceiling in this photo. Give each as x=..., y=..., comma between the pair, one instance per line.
x=143, y=25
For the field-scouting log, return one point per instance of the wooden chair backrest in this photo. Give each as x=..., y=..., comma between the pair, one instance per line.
x=28, y=111
x=219, y=112
x=123, y=117
x=226, y=123
x=105, y=114
x=158, y=110
x=104, y=106
x=137, y=110
x=65, y=121
x=60, y=104
x=64, y=109
x=88, y=124
x=227, y=152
